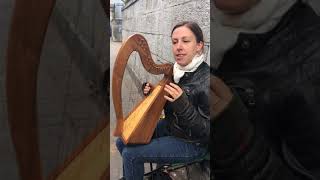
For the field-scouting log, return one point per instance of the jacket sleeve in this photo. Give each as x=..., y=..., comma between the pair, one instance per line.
x=239, y=152
x=194, y=119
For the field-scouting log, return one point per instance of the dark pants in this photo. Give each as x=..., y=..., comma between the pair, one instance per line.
x=163, y=149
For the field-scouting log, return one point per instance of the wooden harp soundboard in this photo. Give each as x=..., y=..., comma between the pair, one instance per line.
x=139, y=125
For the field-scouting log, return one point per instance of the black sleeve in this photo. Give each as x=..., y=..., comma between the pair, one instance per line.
x=239, y=152
x=196, y=119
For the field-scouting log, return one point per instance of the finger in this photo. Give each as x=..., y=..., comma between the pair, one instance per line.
x=214, y=99
x=171, y=89
x=220, y=88
x=176, y=87
x=145, y=91
x=168, y=98
x=168, y=91
x=217, y=105
x=219, y=108
x=147, y=88
x=150, y=85
x=172, y=92
x=217, y=85
x=178, y=90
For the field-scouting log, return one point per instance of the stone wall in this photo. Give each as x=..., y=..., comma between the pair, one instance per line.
x=155, y=20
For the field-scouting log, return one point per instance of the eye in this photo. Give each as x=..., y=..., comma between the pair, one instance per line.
x=174, y=42
x=186, y=40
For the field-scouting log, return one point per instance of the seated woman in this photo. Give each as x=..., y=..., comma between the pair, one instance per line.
x=184, y=133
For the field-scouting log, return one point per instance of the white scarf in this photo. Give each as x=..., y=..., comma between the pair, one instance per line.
x=178, y=71
x=261, y=18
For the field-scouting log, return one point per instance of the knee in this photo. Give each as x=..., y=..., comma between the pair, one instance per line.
x=128, y=154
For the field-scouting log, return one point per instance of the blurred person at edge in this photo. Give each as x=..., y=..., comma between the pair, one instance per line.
x=265, y=90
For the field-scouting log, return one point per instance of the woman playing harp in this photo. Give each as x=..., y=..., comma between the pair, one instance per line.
x=184, y=133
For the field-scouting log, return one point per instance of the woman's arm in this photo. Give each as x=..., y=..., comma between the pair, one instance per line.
x=193, y=119
x=240, y=152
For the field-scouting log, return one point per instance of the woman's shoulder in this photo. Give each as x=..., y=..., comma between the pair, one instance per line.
x=204, y=65
x=203, y=71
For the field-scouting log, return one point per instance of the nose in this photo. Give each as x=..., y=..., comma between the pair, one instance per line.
x=179, y=45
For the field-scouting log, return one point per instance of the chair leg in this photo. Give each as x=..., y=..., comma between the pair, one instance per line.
x=187, y=171
x=151, y=167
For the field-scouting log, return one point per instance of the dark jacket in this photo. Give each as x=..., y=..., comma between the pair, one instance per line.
x=189, y=114
x=272, y=125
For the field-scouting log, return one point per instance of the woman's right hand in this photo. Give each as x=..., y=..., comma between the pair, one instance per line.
x=147, y=87
x=220, y=96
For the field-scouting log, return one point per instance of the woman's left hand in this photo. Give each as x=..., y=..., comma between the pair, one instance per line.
x=174, y=91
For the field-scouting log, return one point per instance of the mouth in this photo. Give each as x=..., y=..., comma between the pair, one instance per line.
x=180, y=55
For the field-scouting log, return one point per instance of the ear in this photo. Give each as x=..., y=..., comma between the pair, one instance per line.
x=200, y=46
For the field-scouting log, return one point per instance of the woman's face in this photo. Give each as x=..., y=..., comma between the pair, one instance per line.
x=234, y=6
x=184, y=45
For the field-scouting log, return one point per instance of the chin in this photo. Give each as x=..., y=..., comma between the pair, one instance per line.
x=182, y=63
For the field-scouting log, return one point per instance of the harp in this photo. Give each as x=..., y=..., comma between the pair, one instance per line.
x=139, y=125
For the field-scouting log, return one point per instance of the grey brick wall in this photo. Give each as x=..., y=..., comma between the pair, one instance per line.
x=155, y=20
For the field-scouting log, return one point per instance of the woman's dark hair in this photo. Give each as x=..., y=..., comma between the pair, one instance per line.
x=194, y=27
